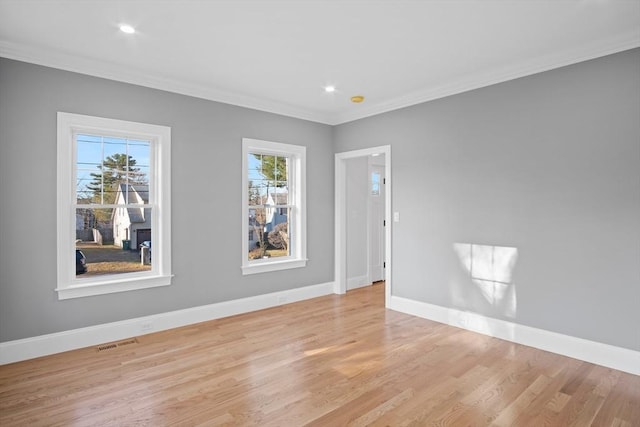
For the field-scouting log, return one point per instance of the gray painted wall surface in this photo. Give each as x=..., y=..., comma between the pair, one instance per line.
x=548, y=164
x=356, y=206
x=206, y=196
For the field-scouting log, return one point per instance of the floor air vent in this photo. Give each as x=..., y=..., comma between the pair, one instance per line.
x=117, y=344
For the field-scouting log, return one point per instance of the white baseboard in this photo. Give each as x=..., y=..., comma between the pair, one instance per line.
x=43, y=345
x=607, y=355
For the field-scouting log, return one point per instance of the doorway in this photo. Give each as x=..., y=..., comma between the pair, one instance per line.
x=346, y=214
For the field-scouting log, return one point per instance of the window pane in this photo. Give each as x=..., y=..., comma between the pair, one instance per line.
x=112, y=241
x=272, y=169
x=280, y=197
x=268, y=232
x=281, y=168
x=267, y=163
x=253, y=194
x=257, y=246
x=88, y=166
x=133, y=194
x=268, y=182
x=375, y=183
x=84, y=194
x=254, y=162
x=258, y=191
x=104, y=164
x=89, y=151
x=88, y=219
x=139, y=161
x=115, y=161
x=141, y=175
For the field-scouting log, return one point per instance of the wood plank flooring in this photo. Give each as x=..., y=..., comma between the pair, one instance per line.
x=329, y=361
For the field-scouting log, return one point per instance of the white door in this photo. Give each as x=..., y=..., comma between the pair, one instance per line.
x=376, y=222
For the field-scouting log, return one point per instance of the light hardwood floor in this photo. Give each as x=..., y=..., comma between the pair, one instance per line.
x=329, y=361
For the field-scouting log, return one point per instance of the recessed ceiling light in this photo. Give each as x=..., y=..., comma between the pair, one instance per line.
x=329, y=89
x=125, y=28
x=357, y=99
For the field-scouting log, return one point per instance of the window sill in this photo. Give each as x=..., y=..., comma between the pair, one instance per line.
x=266, y=266
x=112, y=286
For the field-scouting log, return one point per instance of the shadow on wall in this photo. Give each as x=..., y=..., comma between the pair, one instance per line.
x=486, y=283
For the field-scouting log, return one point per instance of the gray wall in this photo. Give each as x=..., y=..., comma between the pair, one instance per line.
x=206, y=196
x=356, y=196
x=548, y=164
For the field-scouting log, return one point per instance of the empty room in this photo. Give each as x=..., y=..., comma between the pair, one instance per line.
x=317, y=212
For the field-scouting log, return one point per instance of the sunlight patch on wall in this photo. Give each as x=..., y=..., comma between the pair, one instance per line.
x=490, y=269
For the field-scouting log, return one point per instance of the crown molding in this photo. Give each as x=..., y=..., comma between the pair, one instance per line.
x=473, y=81
x=111, y=71
x=478, y=80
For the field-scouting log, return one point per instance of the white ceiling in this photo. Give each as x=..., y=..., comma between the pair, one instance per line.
x=278, y=55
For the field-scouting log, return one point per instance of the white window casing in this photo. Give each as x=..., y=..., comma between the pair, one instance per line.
x=296, y=156
x=159, y=204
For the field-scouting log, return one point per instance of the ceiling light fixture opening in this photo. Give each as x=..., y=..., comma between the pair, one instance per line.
x=128, y=29
x=329, y=89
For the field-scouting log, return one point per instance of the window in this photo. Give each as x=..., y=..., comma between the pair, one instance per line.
x=375, y=183
x=113, y=201
x=274, y=213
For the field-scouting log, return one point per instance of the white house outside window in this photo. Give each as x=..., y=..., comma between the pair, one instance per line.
x=274, y=212
x=113, y=199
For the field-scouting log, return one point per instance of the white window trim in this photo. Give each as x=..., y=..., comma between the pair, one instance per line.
x=68, y=286
x=297, y=184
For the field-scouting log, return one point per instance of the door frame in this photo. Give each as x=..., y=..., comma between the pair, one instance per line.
x=340, y=253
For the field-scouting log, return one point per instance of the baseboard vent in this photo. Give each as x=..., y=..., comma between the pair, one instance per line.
x=113, y=345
